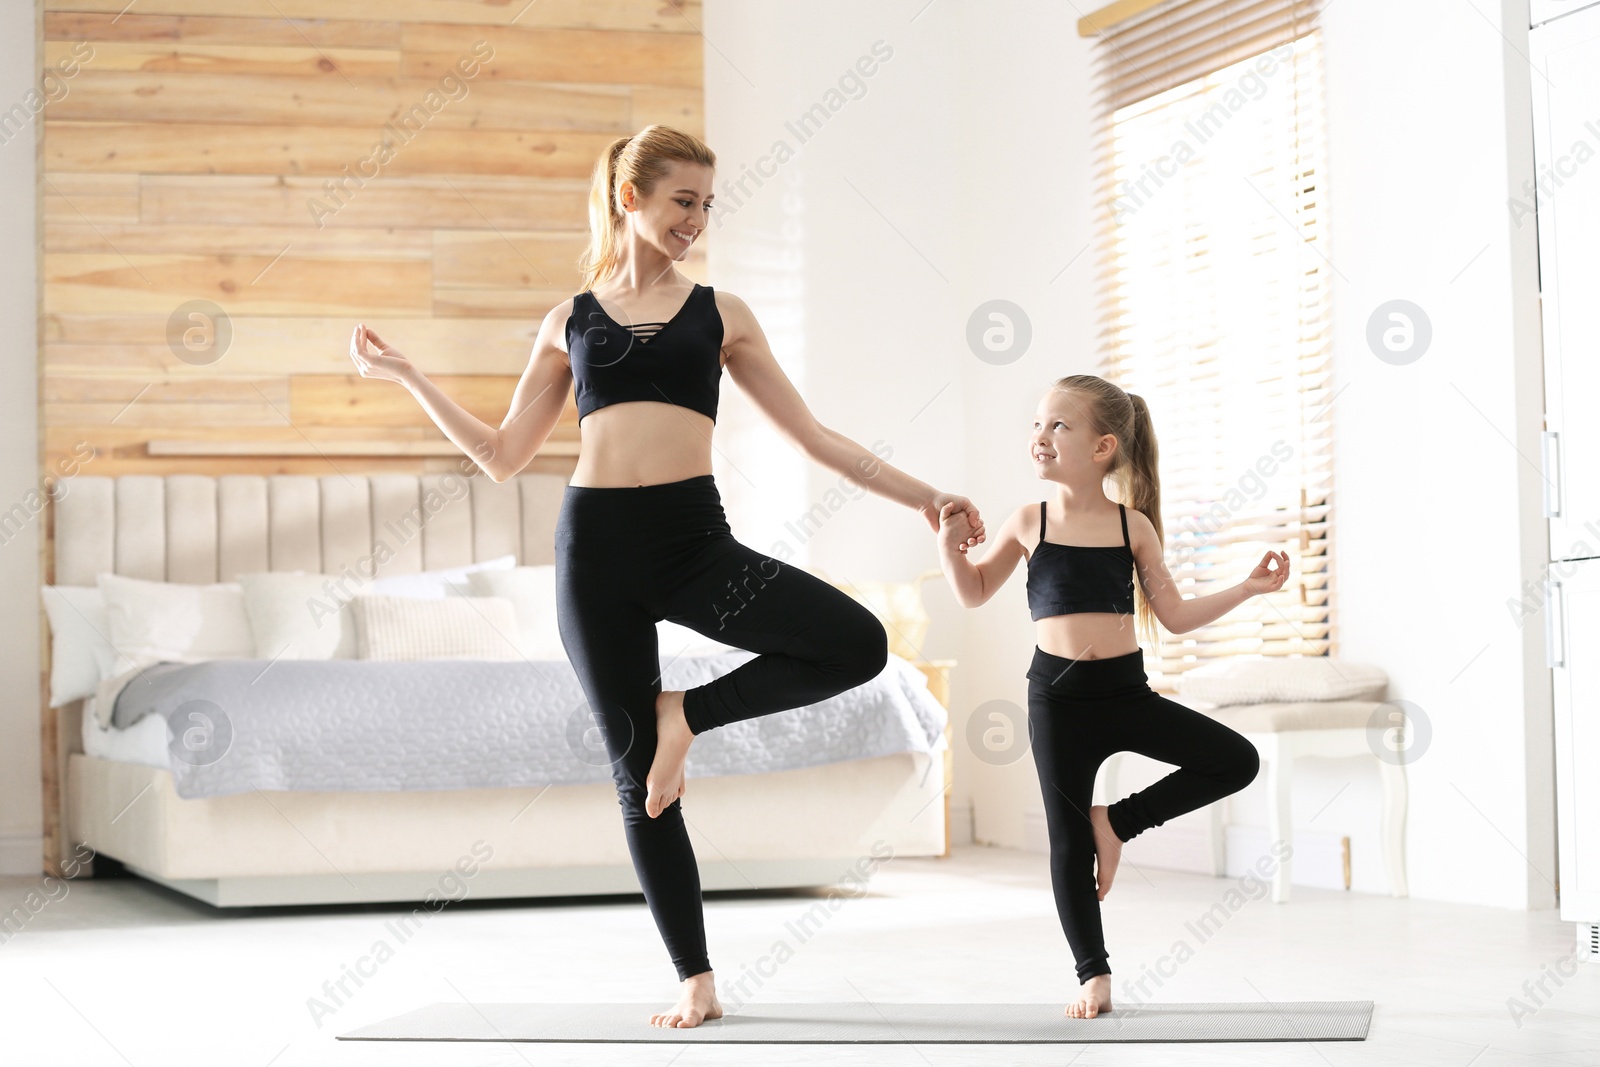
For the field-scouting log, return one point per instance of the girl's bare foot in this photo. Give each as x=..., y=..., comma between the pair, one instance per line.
x=665, y=779
x=1094, y=997
x=1107, y=850
x=698, y=1003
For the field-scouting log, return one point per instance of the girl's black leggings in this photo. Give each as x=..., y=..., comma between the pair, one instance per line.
x=627, y=557
x=1080, y=712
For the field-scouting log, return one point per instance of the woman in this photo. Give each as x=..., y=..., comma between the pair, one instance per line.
x=642, y=535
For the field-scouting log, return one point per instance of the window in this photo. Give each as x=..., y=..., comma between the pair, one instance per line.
x=1214, y=284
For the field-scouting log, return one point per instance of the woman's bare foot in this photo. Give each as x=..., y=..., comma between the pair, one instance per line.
x=1094, y=997
x=665, y=780
x=1107, y=850
x=698, y=1003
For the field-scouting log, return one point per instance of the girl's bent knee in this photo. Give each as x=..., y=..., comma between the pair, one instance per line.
x=1245, y=766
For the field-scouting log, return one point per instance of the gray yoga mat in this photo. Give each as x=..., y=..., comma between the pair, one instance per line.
x=893, y=1024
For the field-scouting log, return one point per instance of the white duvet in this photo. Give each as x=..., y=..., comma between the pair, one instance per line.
x=232, y=726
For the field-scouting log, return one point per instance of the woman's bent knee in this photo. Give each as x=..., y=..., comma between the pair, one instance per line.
x=866, y=645
x=846, y=640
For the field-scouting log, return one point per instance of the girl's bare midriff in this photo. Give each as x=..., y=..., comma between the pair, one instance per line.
x=642, y=442
x=1087, y=635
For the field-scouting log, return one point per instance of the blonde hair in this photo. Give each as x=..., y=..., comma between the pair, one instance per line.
x=642, y=159
x=1134, y=465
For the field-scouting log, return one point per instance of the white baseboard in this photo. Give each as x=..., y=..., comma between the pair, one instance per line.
x=1318, y=857
x=960, y=824
x=21, y=853
x=1318, y=861
x=1035, y=831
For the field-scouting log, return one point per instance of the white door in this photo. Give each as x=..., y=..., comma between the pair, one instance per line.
x=1573, y=638
x=1566, y=111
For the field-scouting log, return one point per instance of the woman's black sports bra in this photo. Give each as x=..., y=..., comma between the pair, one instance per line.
x=1069, y=579
x=676, y=362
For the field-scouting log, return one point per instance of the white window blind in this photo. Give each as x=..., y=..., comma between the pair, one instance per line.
x=1213, y=282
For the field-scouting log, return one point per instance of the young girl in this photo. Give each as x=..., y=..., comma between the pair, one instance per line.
x=1087, y=692
x=642, y=535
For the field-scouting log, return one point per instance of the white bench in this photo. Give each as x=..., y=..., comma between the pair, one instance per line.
x=1283, y=733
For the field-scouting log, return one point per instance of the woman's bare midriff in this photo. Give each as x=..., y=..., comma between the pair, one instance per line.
x=1087, y=635
x=642, y=442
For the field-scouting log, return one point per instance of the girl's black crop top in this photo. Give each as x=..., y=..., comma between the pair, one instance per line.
x=1068, y=579
x=676, y=362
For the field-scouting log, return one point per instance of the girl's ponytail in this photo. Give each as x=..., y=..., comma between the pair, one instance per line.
x=1141, y=479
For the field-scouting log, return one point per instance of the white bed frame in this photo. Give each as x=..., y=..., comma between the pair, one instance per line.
x=776, y=830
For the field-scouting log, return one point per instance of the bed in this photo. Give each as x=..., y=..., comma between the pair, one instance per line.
x=380, y=810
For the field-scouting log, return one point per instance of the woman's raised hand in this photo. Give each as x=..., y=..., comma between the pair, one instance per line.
x=386, y=362
x=1265, y=578
x=956, y=520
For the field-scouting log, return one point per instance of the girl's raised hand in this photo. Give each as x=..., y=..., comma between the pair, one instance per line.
x=956, y=532
x=386, y=362
x=1266, y=578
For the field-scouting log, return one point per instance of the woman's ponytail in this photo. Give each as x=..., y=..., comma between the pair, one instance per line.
x=605, y=217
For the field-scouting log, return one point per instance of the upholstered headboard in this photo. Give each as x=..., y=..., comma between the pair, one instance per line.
x=199, y=528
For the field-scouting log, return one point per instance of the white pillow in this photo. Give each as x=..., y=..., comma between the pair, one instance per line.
x=154, y=621
x=293, y=617
x=1282, y=679
x=532, y=592
x=413, y=628
x=674, y=639
x=80, y=641
x=431, y=585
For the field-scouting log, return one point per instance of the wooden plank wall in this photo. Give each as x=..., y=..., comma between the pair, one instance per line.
x=224, y=151
x=203, y=150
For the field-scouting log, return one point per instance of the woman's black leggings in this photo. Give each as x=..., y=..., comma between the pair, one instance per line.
x=629, y=556
x=1080, y=712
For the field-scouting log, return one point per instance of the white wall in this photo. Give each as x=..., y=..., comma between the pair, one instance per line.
x=20, y=819
x=1438, y=513
x=972, y=144
x=893, y=223
x=960, y=175
x=847, y=302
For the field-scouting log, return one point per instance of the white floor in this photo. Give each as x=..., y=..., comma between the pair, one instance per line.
x=121, y=972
